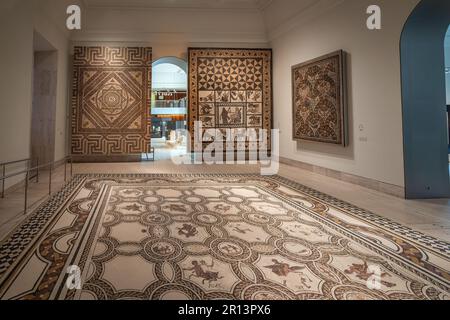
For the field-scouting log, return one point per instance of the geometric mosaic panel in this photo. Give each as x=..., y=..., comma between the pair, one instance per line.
x=110, y=101
x=230, y=88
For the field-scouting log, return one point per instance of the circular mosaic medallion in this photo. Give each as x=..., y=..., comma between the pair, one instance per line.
x=207, y=218
x=154, y=219
x=230, y=249
x=161, y=250
x=298, y=250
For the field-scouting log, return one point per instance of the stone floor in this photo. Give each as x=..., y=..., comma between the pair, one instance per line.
x=431, y=217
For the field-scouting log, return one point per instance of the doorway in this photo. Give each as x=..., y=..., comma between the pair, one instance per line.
x=169, y=107
x=44, y=101
x=425, y=129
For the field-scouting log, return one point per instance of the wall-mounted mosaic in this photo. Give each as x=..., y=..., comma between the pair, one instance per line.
x=319, y=100
x=110, y=102
x=230, y=88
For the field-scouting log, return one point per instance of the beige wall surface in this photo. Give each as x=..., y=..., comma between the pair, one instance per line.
x=374, y=91
x=60, y=42
x=18, y=21
x=16, y=65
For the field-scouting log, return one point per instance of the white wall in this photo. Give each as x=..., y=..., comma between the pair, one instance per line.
x=16, y=65
x=375, y=109
x=18, y=21
x=60, y=42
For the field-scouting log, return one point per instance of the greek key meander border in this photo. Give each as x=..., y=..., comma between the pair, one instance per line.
x=46, y=211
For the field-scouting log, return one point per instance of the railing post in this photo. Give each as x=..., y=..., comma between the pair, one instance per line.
x=50, y=181
x=65, y=170
x=26, y=192
x=3, y=181
x=37, y=170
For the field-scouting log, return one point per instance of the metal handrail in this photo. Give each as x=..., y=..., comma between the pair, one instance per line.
x=4, y=164
x=37, y=168
x=12, y=162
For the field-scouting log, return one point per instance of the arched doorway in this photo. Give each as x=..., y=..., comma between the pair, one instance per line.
x=169, y=107
x=425, y=128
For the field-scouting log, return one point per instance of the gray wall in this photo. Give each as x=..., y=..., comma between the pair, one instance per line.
x=447, y=64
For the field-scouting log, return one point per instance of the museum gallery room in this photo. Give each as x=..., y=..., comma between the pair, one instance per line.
x=224, y=150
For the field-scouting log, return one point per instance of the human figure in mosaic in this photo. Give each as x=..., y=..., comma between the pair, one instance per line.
x=224, y=116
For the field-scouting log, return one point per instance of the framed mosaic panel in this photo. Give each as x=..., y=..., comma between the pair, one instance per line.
x=111, y=100
x=319, y=98
x=230, y=88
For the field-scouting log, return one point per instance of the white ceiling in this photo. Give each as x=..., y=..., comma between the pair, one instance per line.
x=219, y=4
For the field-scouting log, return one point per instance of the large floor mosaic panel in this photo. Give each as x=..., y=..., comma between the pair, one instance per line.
x=215, y=237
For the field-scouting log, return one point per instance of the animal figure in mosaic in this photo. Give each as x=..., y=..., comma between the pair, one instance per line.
x=163, y=249
x=238, y=96
x=155, y=218
x=253, y=108
x=362, y=272
x=236, y=117
x=208, y=121
x=206, y=109
x=187, y=230
x=283, y=270
x=255, y=96
x=199, y=270
x=209, y=97
x=133, y=207
x=224, y=97
x=254, y=120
